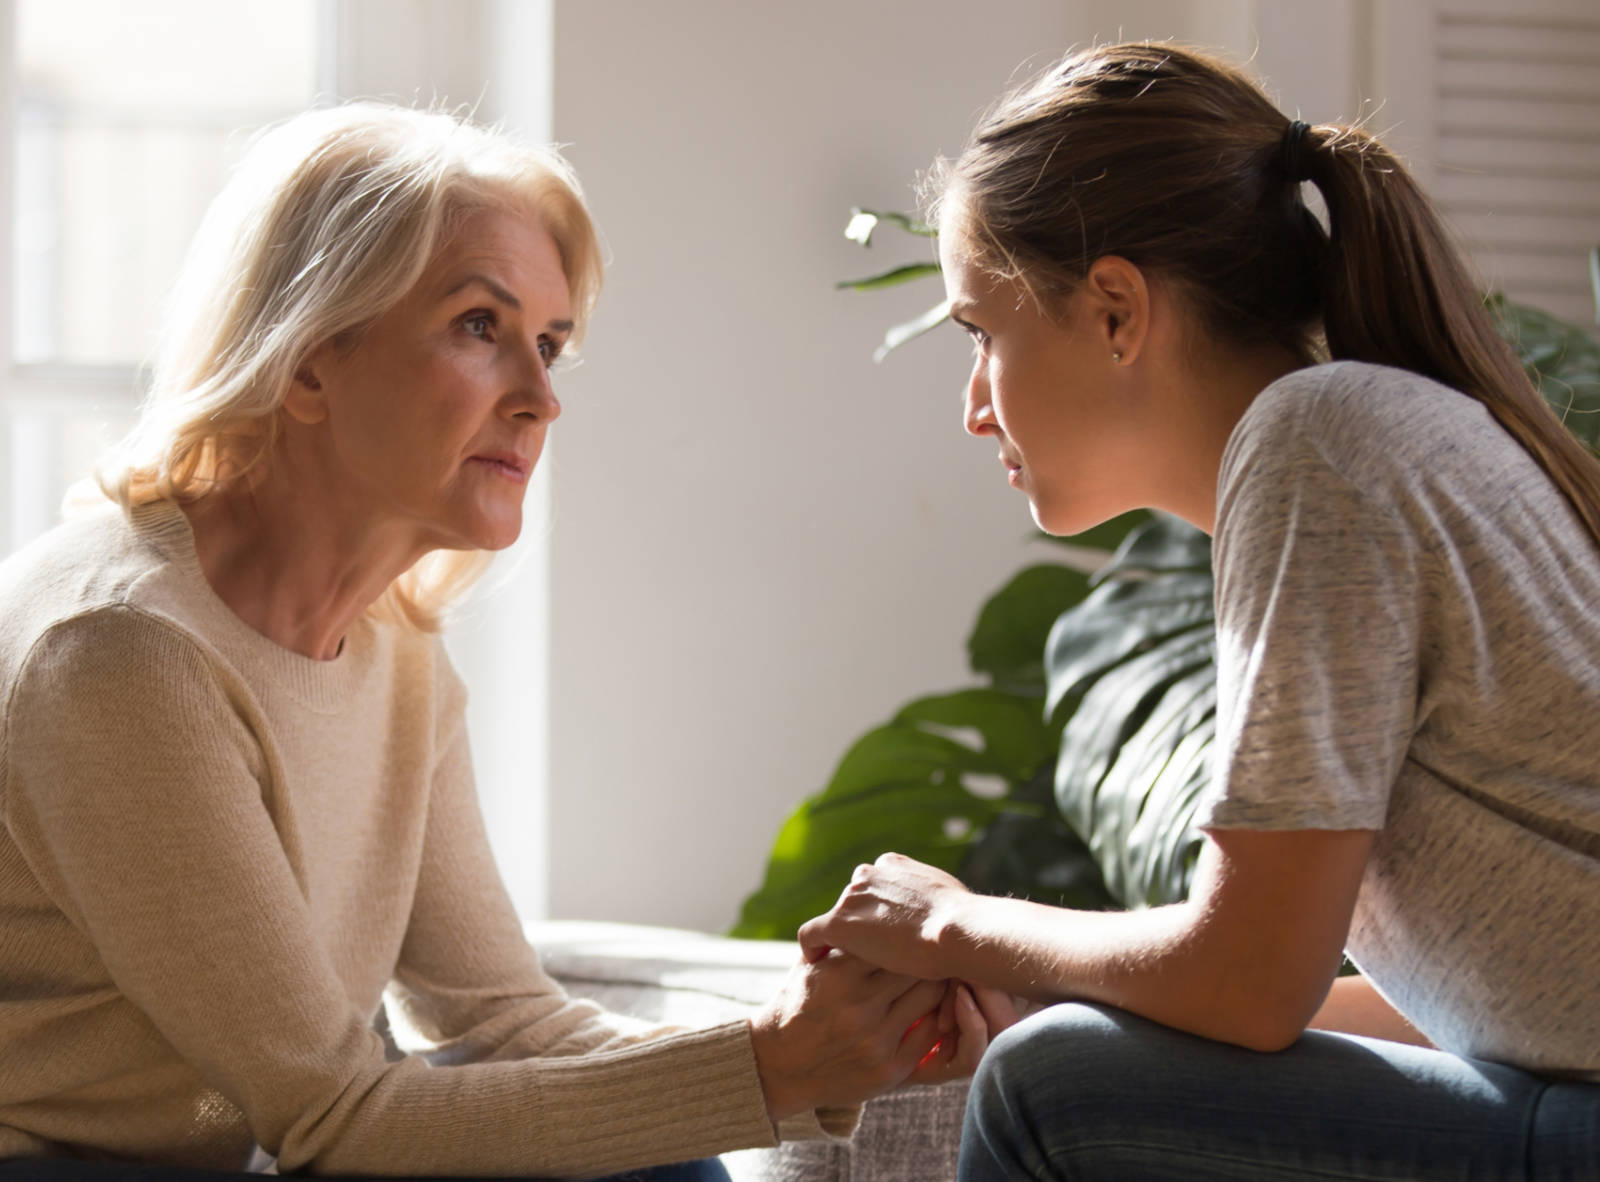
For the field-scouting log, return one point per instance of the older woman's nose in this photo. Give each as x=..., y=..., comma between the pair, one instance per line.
x=533, y=394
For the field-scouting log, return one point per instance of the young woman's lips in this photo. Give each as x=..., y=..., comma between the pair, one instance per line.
x=504, y=463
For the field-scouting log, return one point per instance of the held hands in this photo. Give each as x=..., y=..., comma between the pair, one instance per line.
x=841, y=1031
x=868, y=1008
x=893, y=913
x=969, y=1016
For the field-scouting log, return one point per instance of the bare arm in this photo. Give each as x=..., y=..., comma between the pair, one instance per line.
x=1353, y=1006
x=1248, y=959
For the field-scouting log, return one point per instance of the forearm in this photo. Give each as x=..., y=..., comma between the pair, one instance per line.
x=1246, y=959
x=1353, y=1006
x=1166, y=964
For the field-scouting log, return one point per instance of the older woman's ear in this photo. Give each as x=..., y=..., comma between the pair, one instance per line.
x=305, y=402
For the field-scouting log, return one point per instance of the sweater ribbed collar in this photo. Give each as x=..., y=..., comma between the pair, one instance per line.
x=324, y=686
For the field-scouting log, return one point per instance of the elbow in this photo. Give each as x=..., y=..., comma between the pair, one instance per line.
x=1268, y=1036
x=1274, y=1021
x=1264, y=1020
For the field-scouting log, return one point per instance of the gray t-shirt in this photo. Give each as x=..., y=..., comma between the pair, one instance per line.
x=1408, y=640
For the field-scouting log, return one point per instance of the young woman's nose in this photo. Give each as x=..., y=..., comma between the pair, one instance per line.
x=979, y=416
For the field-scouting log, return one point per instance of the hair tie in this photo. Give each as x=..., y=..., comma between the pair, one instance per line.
x=1294, y=153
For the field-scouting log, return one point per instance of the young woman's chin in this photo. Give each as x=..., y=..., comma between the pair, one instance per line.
x=1060, y=520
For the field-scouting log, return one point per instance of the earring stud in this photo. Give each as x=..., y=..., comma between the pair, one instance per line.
x=1116, y=357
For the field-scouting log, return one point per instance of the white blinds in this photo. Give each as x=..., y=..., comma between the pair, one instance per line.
x=1516, y=109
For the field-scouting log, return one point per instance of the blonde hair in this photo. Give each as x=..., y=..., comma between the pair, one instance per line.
x=327, y=222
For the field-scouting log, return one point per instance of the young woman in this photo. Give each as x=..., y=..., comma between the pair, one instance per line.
x=235, y=789
x=1407, y=552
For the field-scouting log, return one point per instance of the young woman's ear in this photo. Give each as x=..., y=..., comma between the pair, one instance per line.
x=1120, y=297
x=306, y=402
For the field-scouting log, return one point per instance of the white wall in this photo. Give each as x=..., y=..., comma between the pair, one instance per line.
x=763, y=543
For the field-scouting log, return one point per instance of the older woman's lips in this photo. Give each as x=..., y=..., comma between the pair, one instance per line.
x=504, y=463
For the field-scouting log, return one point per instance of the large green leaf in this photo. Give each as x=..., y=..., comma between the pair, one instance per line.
x=1122, y=618
x=926, y=784
x=1029, y=852
x=1007, y=643
x=1132, y=678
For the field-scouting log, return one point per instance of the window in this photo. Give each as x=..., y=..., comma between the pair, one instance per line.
x=118, y=121
x=121, y=122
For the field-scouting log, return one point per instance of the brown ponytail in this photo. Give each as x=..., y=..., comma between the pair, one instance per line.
x=1395, y=290
x=1180, y=164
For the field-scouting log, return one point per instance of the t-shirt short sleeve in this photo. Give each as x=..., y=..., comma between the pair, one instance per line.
x=1318, y=617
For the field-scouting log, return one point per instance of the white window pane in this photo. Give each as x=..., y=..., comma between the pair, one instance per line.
x=50, y=452
x=129, y=115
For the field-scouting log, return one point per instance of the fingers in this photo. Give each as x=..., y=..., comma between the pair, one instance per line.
x=920, y=1044
x=934, y=1067
x=947, y=1010
x=916, y=1002
x=813, y=939
x=974, y=1033
x=998, y=1009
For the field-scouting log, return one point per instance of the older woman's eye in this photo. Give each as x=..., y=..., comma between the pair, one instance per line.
x=549, y=351
x=479, y=324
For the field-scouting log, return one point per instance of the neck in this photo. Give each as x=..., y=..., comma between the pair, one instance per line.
x=1206, y=405
x=280, y=553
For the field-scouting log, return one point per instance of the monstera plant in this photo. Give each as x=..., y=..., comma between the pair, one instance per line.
x=1071, y=774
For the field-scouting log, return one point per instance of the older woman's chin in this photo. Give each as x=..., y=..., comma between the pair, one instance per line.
x=488, y=531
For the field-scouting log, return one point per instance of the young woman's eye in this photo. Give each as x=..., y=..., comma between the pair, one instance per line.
x=980, y=339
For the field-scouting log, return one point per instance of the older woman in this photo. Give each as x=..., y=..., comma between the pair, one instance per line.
x=237, y=799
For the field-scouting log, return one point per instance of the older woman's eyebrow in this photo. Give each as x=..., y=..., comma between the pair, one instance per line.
x=501, y=294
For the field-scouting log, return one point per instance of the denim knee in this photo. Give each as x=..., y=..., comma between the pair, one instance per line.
x=1065, y=1058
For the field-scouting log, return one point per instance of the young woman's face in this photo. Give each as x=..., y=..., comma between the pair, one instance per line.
x=1044, y=389
x=436, y=416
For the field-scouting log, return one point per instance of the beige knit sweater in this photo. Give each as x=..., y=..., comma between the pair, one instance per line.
x=218, y=854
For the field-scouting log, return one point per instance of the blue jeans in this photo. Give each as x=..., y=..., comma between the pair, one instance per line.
x=1082, y=1092
x=64, y=1170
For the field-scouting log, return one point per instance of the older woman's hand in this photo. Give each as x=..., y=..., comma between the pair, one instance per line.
x=896, y=913
x=842, y=1030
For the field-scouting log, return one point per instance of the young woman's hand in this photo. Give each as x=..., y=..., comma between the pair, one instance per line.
x=842, y=1030
x=969, y=1017
x=893, y=913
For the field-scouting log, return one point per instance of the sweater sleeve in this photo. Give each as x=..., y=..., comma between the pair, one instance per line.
x=467, y=981
x=133, y=789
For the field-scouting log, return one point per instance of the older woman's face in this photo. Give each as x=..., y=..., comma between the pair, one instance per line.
x=436, y=417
